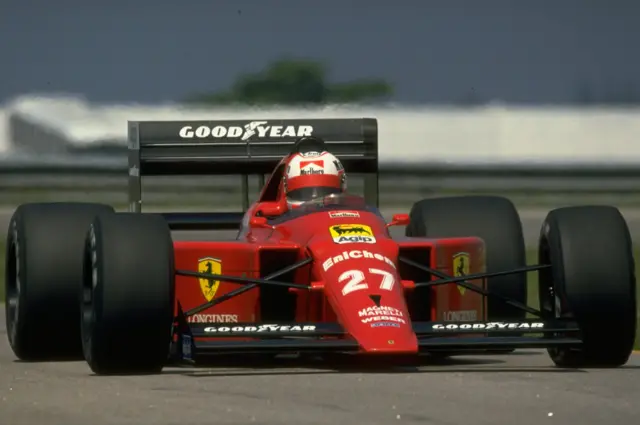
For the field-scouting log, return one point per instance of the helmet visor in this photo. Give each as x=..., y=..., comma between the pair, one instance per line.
x=304, y=194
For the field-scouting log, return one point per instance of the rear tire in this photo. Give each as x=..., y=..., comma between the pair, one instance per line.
x=128, y=294
x=43, y=277
x=592, y=280
x=493, y=219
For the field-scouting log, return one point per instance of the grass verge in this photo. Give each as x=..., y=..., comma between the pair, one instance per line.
x=532, y=279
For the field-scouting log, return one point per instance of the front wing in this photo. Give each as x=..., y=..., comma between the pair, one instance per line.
x=195, y=342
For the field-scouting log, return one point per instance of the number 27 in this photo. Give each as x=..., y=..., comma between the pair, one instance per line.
x=356, y=280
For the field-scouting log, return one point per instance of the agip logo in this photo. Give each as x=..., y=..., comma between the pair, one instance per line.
x=209, y=287
x=352, y=233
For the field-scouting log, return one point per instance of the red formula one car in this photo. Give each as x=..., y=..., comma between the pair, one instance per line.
x=83, y=281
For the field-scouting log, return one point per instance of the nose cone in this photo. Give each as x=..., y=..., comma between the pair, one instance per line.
x=363, y=287
x=384, y=330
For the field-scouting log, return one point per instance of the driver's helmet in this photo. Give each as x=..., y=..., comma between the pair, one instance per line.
x=311, y=175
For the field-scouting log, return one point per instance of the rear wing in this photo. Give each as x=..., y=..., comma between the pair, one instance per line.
x=244, y=147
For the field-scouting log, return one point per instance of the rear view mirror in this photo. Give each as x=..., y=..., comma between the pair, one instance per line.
x=399, y=220
x=270, y=209
x=259, y=222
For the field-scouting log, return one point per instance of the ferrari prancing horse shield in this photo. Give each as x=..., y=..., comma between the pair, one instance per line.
x=461, y=267
x=209, y=287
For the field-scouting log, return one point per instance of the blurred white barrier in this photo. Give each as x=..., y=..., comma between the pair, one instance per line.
x=492, y=134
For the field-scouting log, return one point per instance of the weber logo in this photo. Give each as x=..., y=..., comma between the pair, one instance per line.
x=260, y=328
x=383, y=314
x=487, y=326
x=259, y=129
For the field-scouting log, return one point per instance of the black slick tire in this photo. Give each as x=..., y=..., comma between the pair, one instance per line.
x=592, y=281
x=128, y=294
x=493, y=219
x=43, y=277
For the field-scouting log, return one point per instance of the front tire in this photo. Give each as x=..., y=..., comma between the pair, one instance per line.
x=128, y=294
x=43, y=277
x=592, y=281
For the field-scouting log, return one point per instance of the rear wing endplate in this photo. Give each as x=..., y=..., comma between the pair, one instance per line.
x=244, y=147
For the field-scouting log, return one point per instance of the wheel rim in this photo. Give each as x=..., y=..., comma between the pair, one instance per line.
x=13, y=285
x=547, y=293
x=551, y=302
x=89, y=283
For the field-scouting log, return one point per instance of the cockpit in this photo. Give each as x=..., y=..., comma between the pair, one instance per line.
x=332, y=202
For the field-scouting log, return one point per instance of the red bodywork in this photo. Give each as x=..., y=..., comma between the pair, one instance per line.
x=344, y=278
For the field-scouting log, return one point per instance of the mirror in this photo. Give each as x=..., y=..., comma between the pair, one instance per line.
x=399, y=220
x=260, y=222
x=269, y=209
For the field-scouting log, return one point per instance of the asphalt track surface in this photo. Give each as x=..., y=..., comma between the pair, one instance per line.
x=522, y=388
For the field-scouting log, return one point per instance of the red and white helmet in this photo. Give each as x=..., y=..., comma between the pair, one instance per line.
x=312, y=175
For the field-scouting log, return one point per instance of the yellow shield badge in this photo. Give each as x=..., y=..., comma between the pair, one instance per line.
x=209, y=287
x=461, y=267
x=352, y=233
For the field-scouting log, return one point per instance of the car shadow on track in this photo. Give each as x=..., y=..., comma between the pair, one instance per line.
x=354, y=365
x=53, y=360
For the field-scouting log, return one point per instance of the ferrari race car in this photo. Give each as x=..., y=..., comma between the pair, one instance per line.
x=114, y=288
